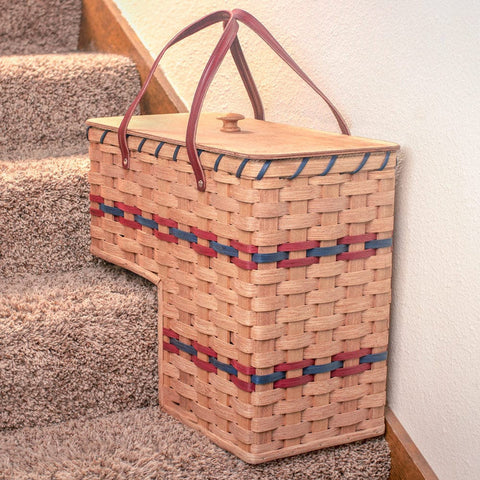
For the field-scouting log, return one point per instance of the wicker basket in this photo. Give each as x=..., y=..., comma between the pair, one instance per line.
x=274, y=282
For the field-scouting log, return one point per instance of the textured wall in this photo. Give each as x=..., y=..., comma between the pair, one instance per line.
x=401, y=71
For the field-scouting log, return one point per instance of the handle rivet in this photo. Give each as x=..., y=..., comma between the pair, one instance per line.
x=230, y=121
x=200, y=184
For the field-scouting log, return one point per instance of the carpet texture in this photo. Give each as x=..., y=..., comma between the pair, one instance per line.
x=76, y=343
x=147, y=444
x=79, y=85
x=39, y=26
x=44, y=216
x=78, y=337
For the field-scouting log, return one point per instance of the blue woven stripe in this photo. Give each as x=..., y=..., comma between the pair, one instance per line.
x=183, y=235
x=362, y=163
x=300, y=168
x=224, y=249
x=159, y=147
x=175, y=153
x=199, y=152
x=269, y=257
x=183, y=346
x=374, y=357
x=217, y=162
x=328, y=367
x=104, y=134
x=146, y=222
x=88, y=130
x=384, y=164
x=224, y=367
x=140, y=145
x=270, y=378
x=330, y=165
x=327, y=251
x=241, y=167
x=111, y=210
x=383, y=243
x=264, y=169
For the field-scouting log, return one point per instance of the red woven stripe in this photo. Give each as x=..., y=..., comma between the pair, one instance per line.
x=357, y=238
x=203, y=234
x=97, y=213
x=245, y=386
x=245, y=264
x=170, y=348
x=170, y=333
x=351, y=355
x=96, y=198
x=129, y=223
x=296, y=246
x=128, y=208
x=202, y=349
x=242, y=247
x=356, y=255
x=344, y=372
x=165, y=236
x=293, y=382
x=297, y=262
x=285, y=367
x=165, y=221
x=203, y=250
x=204, y=365
x=243, y=369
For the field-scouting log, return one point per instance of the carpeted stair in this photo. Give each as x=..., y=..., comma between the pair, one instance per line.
x=78, y=344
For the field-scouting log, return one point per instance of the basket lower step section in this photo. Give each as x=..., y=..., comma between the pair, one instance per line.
x=277, y=447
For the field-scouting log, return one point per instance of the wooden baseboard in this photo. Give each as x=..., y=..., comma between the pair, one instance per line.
x=104, y=29
x=407, y=461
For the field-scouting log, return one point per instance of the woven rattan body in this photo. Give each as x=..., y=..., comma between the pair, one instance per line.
x=274, y=286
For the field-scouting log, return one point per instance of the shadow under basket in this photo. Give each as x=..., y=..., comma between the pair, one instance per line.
x=274, y=282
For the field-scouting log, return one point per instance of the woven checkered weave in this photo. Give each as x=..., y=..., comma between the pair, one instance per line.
x=274, y=287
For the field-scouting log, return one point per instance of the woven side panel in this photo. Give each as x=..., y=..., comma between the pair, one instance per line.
x=276, y=293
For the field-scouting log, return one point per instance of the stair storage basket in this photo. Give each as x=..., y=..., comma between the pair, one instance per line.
x=273, y=265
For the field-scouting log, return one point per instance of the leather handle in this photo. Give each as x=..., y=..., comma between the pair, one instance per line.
x=239, y=58
x=221, y=49
x=247, y=79
x=227, y=41
x=251, y=22
x=211, y=68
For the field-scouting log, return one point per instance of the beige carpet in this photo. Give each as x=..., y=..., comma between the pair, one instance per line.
x=146, y=444
x=76, y=343
x=83, y=85
x=39, y=26
x=44, y=215
x=78, y=338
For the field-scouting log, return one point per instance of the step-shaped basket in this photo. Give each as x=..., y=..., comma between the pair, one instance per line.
x=274, y=282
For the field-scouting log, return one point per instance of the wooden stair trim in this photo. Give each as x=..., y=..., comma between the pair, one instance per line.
x=407, y=461
x=104, y=29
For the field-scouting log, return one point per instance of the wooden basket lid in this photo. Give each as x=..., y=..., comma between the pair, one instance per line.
x=257, y=139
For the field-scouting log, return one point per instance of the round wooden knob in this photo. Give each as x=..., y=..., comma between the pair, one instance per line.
x=230, y=121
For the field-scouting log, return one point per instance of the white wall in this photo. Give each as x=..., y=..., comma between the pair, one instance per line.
x=404, y=71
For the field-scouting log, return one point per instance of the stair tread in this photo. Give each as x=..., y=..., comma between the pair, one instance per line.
x=44, y=215
x=47, y=98
x=76, y=343
x=148, y=443
x=39, y=26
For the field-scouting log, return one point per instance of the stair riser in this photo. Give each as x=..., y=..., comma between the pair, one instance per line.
x=47, y=98
x=76, y=344
x=44, y=217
